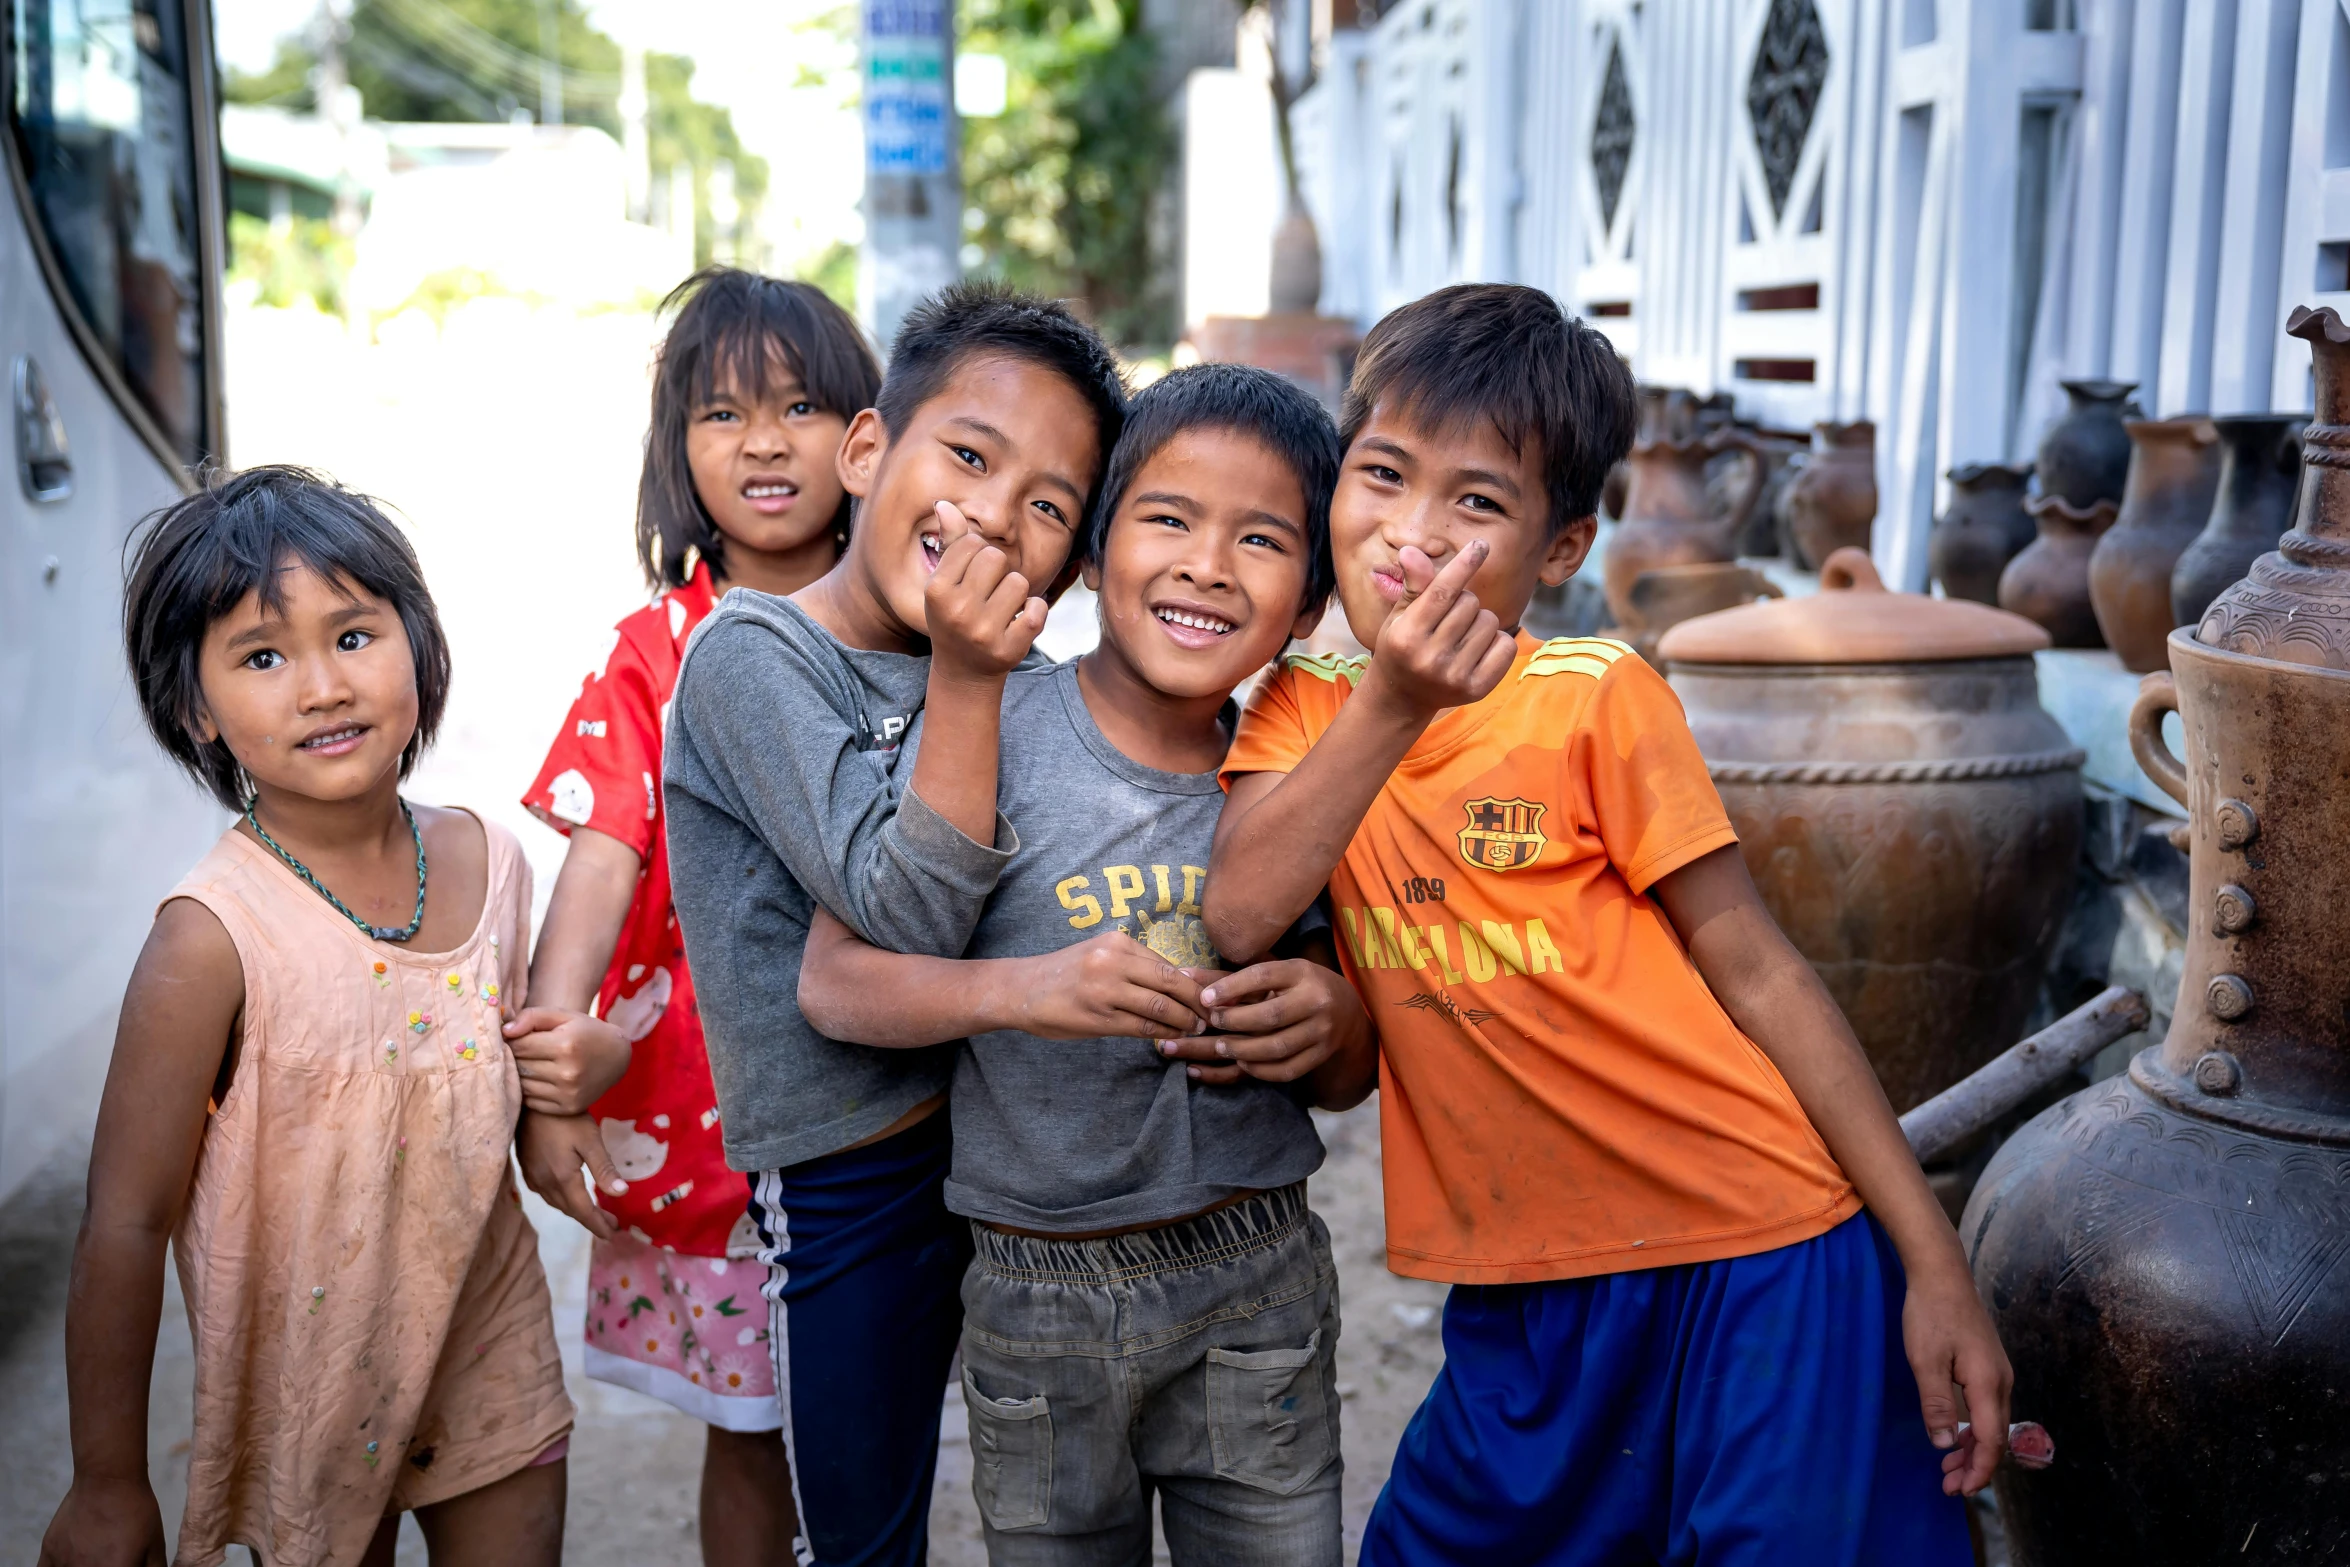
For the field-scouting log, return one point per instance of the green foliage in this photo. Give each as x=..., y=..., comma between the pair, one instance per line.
x=834, y=270
x=1064, y=181
x=478, y=60
x=304, y=260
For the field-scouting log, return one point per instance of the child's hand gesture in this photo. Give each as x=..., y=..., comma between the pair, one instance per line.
x=1439, y=648
x=982, y=617
x=110, y=1522
x=1112, y=986
x=567, y=1059
x=1277, y=1021
x=553, y=1150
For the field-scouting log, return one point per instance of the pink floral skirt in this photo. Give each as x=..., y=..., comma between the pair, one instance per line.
x=689, y=1331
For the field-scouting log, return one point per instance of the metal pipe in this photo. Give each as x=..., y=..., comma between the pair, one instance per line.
x=2007, y=1080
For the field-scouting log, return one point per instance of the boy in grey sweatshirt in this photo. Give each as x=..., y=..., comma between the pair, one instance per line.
x=837, y=750
x=1152, y=1308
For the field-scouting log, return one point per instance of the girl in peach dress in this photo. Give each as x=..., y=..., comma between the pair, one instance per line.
x=312, y=1094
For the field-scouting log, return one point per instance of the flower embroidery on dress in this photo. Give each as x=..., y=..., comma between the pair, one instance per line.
x=420, y=1021
x=456, y=984
x=467, y=1050
x=489, y=991
x=383, y=975
x=373, y=1457
x=391, y=1052
x=317, y=1294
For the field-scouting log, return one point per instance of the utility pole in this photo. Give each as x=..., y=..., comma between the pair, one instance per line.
x=550, y=64
x=338, y=104
x=913, y=175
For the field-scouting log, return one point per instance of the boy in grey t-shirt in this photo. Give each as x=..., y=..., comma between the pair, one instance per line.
x=1152, y=1306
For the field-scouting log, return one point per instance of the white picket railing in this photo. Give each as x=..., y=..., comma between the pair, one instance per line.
x=1988, y=197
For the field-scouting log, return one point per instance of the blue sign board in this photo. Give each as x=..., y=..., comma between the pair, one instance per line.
x=908, y=97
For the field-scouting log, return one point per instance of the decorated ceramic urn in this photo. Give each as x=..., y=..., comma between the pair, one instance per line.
x=2167, y=1254
x=1910, y=812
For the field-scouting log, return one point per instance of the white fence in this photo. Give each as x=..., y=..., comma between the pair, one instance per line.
x=1922, y=212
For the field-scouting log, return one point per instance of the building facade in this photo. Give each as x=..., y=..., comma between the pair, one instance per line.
x=1926, y=213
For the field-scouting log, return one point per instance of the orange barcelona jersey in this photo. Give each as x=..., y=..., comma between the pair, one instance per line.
x=1560, y=1094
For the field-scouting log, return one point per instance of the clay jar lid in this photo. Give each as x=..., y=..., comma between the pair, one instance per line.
x=1851, y=620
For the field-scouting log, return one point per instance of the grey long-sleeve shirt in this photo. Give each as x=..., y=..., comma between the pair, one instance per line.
x=786, y=762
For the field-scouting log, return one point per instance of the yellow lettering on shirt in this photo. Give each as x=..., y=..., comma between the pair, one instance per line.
x=1539, y=949
x=1386, y=933
x=1435, y=933
x=1475, y=956
x=1125, y=884
x=1414, y=952
x=1073, y=896
x=1504, y=942
x=1193, y=875
x=1166, y=893
x=1366, y=955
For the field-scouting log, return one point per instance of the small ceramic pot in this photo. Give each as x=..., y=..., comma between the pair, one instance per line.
x=2174, y=476
x=2085, y=456
x=1984, y=528
x=1831, y=504
x=2049, y=581
x=1669, y=520
x=2259, y=471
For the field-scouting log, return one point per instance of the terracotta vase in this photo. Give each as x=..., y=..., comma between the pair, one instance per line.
x=1908, y=810
x=1296, y=286
x=2260, y=469
x=2164, y=1253
x=1783, y=457
x=1668, y=520
x=2174, y=477
x=1983, y=529
x=2085, y=456
x=2049, y=580
x=1664, y=597
x=1830, y=504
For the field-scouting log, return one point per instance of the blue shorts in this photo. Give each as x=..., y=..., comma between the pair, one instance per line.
x=864, y=1302
x=1758, y=1410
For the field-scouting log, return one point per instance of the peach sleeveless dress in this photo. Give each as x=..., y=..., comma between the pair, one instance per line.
x=371, y=1323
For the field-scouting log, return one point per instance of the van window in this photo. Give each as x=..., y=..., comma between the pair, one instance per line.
x=98, y=114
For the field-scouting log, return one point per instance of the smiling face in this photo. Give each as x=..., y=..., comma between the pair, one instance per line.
x=763, y=466
x=1011, y=444
x=317, y=699
x=1204, y=565
x=1403, y=485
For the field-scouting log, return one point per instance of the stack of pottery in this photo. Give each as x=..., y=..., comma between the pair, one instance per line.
x=1984, y=528
x=2167, y=1254
x=1668, y=519
x=2259, y=471
x=2174, y=477
x=1910, y=813
x=2083, y=463
x=1831, y=501
x=1667, y=413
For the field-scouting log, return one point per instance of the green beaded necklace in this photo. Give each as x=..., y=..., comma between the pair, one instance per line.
x=374, y=932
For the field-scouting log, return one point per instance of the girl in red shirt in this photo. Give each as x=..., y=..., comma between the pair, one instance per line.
x=752, y=394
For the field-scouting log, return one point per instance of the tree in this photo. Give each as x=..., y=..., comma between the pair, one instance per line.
x=1063, y=182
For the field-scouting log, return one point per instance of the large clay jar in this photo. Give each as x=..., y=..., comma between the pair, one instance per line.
x=1984, y=528
x=2167, y=1253
x=1668, y=519
x=2049, y=581
x=2174, y=477
x=2085, y=456
x=2259, y=469
x=1664, y=597
x=1831, y=503
x=1910, y=813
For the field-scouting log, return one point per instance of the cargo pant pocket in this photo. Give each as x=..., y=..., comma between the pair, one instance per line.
x=1268, y=1416
x=1011, y=1457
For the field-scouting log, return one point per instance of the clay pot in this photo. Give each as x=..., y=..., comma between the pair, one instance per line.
x=1297, y=264
x=2174, y=477
x=2294, y=604
x=1668, y=520
x=1783, y=456
x=2259, y=469
x=2049, y=581
x=2163, y=1253
x=1909, y=812
x=1664, y=597
x=2085, y=456
x=1830, y=504
x=1983, y=529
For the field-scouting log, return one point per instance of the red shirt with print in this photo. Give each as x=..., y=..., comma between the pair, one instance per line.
x=660, y=1121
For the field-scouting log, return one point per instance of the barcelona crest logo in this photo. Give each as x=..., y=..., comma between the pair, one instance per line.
x=1503, y=835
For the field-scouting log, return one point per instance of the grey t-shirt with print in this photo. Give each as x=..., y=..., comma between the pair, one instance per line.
x=786, y=759
x=1066, y=1136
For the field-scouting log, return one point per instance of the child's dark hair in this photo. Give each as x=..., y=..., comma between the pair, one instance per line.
x=1507, y=354
x=966, y=321
x=1248, y=401
x=196, y=559
x=731, y=327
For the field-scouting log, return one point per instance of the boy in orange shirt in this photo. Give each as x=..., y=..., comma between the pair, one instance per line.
x=1615, y=1102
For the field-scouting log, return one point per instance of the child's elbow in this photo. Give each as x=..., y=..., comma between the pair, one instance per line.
x=1236, y=932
